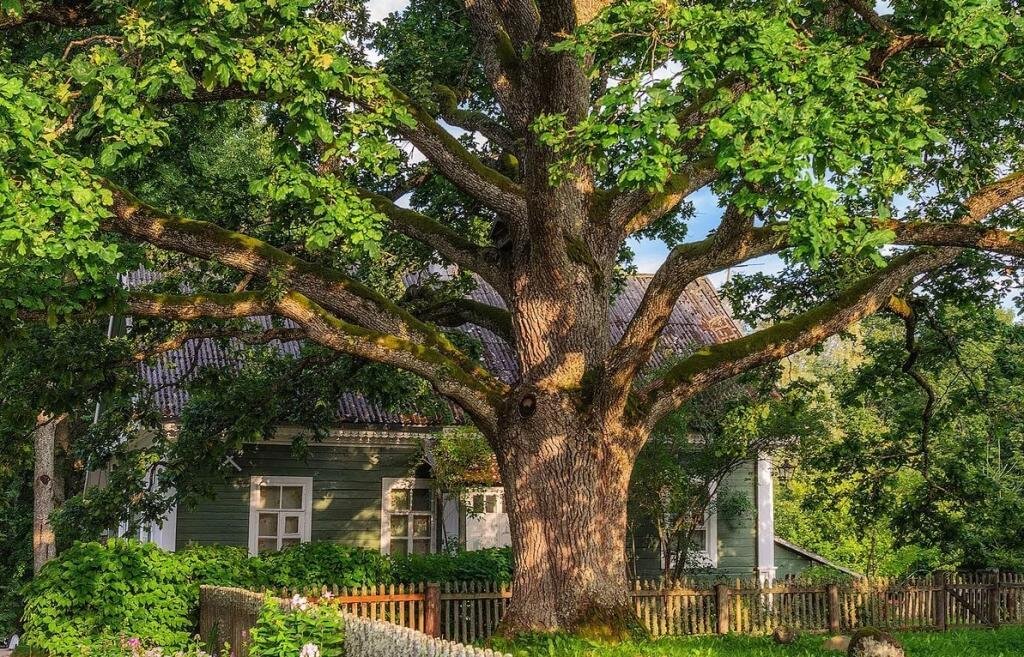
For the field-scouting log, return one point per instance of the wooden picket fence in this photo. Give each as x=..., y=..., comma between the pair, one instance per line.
x=467, y=612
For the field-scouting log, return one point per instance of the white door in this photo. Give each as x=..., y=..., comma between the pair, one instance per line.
x=486, y=520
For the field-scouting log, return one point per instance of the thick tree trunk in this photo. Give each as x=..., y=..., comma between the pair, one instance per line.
x=44, y=489
x=565, y=493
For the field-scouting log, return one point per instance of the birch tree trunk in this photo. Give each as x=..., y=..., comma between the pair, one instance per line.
x=45, y=489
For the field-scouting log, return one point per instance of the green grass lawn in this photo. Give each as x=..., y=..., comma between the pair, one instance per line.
x=1008, y=642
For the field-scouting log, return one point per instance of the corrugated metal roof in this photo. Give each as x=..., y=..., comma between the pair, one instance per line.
x=698, y=319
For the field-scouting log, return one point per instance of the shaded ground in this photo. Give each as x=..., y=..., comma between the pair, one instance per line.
x=1007, y=642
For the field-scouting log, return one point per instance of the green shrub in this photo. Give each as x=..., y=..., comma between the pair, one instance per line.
x=95, y=591
x=280, y=633
x=103, y=591
x=324, y=564
x=818, y=575
x=491, y=565
x=222, y=565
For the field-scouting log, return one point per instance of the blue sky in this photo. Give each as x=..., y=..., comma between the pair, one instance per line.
x=651, y=253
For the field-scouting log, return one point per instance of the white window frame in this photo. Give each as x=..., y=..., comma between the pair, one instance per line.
x=305, y=515
x=710, y=529
x=469, y=499
x=389, y=484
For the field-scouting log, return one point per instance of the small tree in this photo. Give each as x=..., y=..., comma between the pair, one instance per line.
x=678, y=476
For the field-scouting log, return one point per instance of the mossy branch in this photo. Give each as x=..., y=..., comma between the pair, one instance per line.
x=718, y=362
x=472, y=121
x=327, y=287
x=474, y=390
x=444, y=240
x=456, y=163
x=633, y=210
x=456, y=312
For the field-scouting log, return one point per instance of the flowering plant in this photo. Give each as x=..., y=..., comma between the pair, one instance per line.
x=302, y=628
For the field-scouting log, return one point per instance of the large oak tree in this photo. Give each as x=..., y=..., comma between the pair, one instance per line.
x=526, y=143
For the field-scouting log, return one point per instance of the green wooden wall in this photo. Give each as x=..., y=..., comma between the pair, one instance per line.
x=737, y=536
x=789, y=563
x=346, y=493
x=347, y=501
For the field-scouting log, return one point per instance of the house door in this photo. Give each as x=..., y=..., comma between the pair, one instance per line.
x=486, y=520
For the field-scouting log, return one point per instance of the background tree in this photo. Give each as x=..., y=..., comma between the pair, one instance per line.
x=912, y=473
x=596, y=122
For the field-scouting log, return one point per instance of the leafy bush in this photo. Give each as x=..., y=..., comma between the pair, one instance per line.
x=95, y=591
x=280, y=633
x=491, y=565
x=323, y=564
x=99, y=592
x=817, y=575
x=222, y=565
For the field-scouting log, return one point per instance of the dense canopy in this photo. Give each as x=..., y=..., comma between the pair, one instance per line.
x=877, y=150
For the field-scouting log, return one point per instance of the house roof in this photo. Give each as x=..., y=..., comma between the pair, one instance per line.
x=813, y=556
x=699, y=319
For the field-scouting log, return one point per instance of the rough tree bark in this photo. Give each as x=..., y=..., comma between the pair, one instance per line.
x=566, y=487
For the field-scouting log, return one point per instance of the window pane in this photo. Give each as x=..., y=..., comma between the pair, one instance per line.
x=291, y=524
x=268, y=524
x=492, y=504
x=478, y=504
x=421, y=546
x=269, y=497
x=421, y=526
x=400, y=499
x=399, y=525
x=291, y=497
x=698, y=538
x=421, y=499
x=287, y=542
x=400, y=547
x=266, y=545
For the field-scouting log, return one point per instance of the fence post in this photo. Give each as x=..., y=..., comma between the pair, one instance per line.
x=432, y=622
x=833, y=608
x=993, y=601
x=722, y=602
x=941, y=600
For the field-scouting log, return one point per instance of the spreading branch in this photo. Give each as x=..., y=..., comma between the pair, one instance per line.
x=327, y=287
x=179, y=339
x=635, y=210
x=718, y=362
x=478, y=395
x=733, y=243
x=736, y=241
x=473, y=121
x=450, y=244
x=456, y=163
x=498, y=57
x=896, y=41
x=1004, y=242
x=457, y=312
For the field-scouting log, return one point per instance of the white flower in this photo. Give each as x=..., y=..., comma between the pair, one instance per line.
x=300, y=602
x=310, y=650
